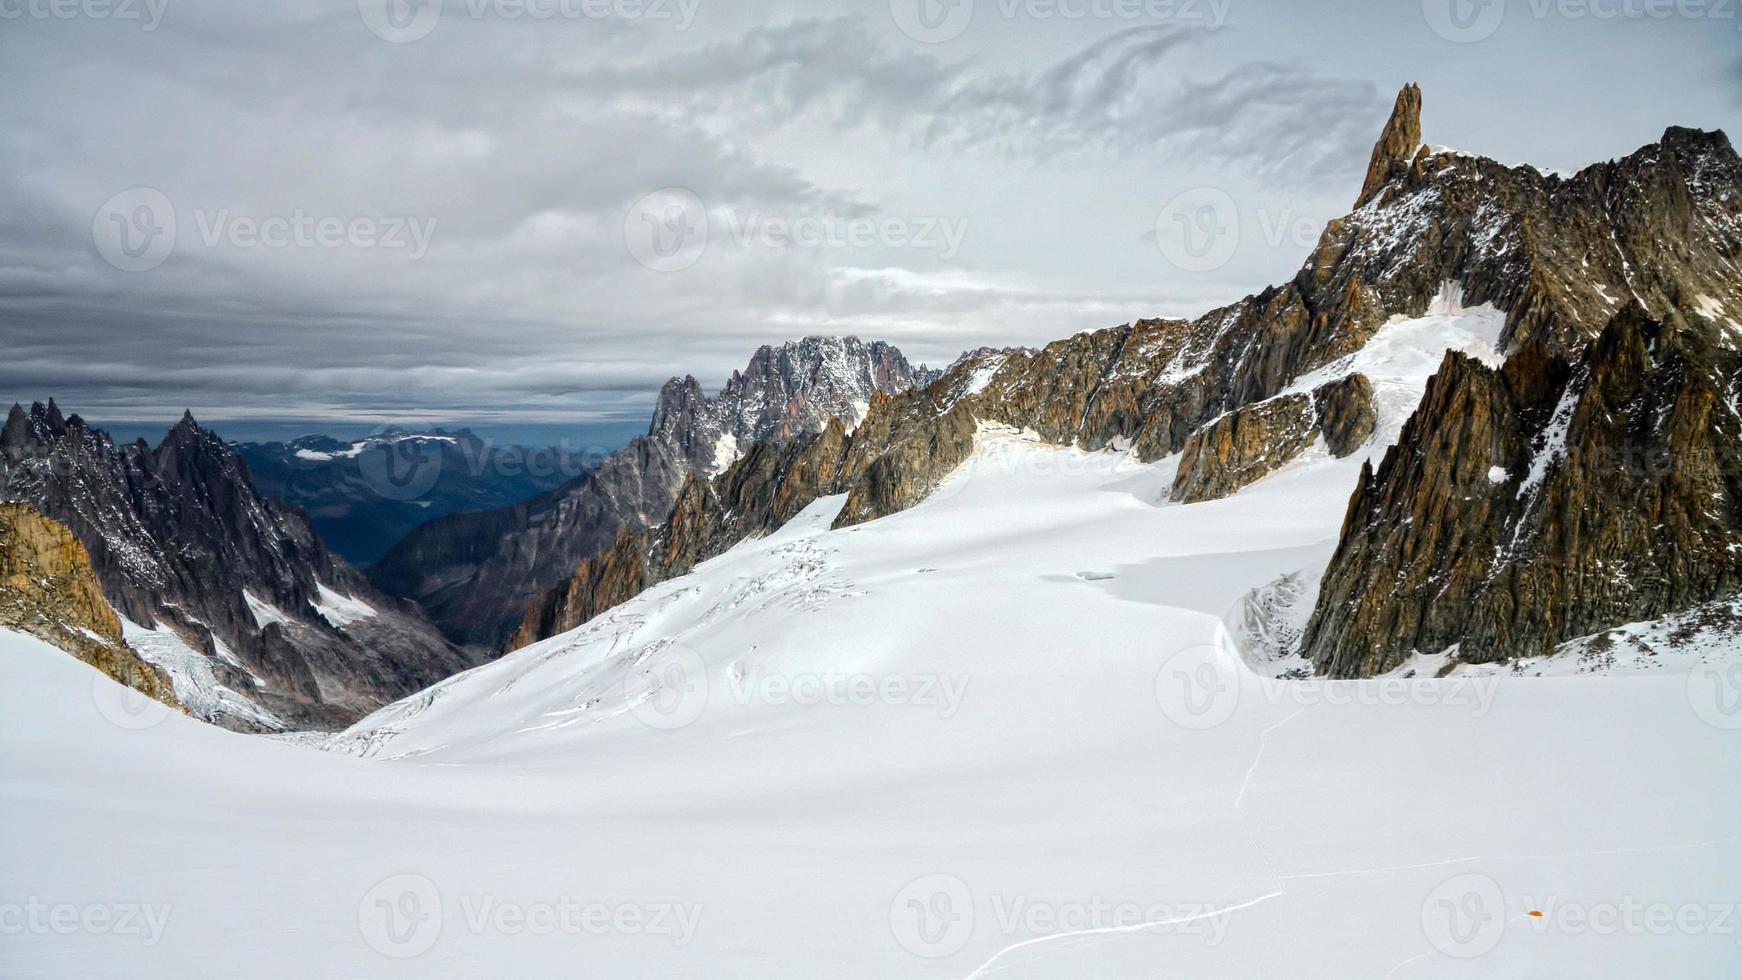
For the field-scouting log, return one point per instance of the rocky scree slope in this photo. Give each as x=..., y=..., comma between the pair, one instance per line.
x=1562, y=256
x=476, y=573
x=181, y=541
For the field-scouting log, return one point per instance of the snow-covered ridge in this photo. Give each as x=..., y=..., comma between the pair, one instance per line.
x=362, y=446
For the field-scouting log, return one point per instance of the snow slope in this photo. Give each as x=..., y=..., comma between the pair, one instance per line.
x=1003, y=734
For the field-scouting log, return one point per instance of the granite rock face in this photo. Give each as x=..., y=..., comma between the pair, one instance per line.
x=1243, y=446
x=1548, y=500
x=48, y=589
x=1397, y=144
x=1248, y=444
x=180, y=539
x=1346, y=413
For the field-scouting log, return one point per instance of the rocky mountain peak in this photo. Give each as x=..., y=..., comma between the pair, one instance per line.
x=1397, y=143
x=184, y=544
x=17, y=429
x=786, y=390
x=186, y=431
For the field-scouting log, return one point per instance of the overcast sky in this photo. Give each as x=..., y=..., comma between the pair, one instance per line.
x=534, y=211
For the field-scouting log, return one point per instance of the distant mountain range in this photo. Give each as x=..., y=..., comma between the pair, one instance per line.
x=475, y=573
x=1579, y=473
x=232, y=593
x=364, y=495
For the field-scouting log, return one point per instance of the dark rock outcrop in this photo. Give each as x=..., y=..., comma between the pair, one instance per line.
x=47, y=589
x=1396, y=146
x=179, y=538
x=1241, y=447
x=1250, y=443
x=1544, y=501
x=1346, y=413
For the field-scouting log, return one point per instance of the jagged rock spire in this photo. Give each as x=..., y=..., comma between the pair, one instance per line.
x=1397, y=144
x=17, y=430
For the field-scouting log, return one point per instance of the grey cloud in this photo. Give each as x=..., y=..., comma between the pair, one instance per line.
x=528, y=142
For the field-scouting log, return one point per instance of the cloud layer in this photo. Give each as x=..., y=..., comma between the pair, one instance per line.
x=1001, y=188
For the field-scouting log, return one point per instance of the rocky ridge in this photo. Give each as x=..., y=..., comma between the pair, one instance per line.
x=1655, y=231
x=1547, y=500
x=181, y=541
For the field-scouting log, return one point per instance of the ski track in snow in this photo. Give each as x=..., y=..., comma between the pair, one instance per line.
x=987, y=968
